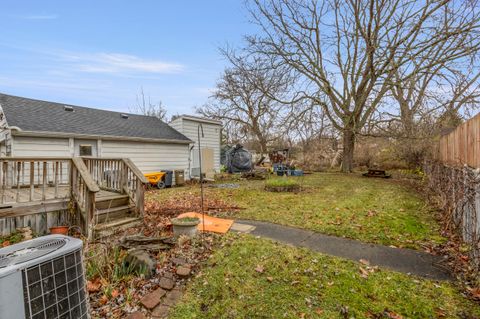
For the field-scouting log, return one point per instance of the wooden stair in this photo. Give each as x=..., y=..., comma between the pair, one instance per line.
x=113, y=212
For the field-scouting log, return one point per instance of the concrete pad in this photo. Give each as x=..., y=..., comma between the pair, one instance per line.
x=242, y=228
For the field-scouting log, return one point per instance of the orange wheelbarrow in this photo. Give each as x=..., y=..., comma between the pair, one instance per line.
x=156, y=179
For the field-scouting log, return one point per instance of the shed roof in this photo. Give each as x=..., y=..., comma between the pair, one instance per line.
x=41, y=116
x=197, y=119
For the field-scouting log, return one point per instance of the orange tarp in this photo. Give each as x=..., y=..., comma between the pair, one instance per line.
x=212, y=224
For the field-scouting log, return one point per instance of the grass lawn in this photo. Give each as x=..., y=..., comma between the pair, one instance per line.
x=368, y=209
x=257, y=278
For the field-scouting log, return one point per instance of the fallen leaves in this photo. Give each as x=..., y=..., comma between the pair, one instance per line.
x=95, y=285
x=259, y=269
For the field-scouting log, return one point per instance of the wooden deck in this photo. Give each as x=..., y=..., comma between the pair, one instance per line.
x=16, y=198
x=85, y=192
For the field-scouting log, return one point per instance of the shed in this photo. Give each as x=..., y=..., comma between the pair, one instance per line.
x=35, y=128
x=210, y=142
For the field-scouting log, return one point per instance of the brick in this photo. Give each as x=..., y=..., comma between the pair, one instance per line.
x=152, y=299
x=172, y=297
x=161, y=312
x=178, y=261
x=136, y=315
x=183, y=271
x=167, y=283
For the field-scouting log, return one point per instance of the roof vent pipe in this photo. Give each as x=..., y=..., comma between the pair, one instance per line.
x=68, y=108
x=124, y=116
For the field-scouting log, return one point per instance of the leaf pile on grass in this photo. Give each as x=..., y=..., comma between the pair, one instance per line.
x=282, y=182
x=248, y=277
x=184, y=202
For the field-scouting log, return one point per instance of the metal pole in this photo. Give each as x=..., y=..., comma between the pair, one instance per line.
x=200, y=126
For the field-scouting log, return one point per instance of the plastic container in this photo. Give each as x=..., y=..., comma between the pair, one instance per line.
x=168, y=178
x=179, y=178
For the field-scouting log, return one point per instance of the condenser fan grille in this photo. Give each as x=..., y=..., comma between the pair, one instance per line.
x=56, y=289
x=29, y=251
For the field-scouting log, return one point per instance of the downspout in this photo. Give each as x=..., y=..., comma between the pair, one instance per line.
x=190, y=161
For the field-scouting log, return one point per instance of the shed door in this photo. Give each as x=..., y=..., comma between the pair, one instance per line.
x=85, y=147
x=207, y=162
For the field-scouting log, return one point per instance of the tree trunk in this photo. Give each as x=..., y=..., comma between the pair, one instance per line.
x=348, y=147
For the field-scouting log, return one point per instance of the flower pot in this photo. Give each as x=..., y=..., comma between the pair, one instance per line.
x=62, y=230
x=185, y=226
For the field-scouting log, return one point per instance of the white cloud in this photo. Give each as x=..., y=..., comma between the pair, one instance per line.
x=120, y=63
x=37, y=16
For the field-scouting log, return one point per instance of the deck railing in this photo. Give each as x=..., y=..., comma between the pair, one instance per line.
x=43, y=180
x=25, y=179
x=118, y=175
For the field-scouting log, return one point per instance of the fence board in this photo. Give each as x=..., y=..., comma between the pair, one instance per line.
x=461, y=146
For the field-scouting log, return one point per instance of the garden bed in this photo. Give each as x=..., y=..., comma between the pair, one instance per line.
x=283, y=185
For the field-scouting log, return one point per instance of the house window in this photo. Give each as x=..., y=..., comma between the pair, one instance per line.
x=85, y=150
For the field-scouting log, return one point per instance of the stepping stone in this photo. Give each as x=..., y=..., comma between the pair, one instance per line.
x=160, y=312
x=136, y=315
x=152, y=299
x=242, y=228
x=183, y=271
x=167, y=283
x=172, y=297
x=178, y=261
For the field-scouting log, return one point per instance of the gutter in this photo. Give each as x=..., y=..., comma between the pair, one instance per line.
x=16, y=131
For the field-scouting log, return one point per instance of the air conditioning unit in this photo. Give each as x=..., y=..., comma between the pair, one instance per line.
x=43, y=278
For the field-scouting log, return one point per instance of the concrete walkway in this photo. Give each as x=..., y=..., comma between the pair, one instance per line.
x=407, y=261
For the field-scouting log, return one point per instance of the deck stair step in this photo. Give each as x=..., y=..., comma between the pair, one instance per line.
x=113, y=213
x=109, y=228
x=111, y=201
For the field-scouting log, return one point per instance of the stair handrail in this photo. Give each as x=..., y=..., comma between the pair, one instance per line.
x=134, y=184
x=83, y=189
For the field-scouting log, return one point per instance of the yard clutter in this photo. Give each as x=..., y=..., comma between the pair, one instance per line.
x=212, y=224
x=238, y=159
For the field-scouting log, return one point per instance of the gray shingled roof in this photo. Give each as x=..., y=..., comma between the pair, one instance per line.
x=43, y=116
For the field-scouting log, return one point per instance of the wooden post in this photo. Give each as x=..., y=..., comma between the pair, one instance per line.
x=19, y=168
x=140, y=193
x=32, y=180
x=56, y=179
x=4, y=179
x=44, y=180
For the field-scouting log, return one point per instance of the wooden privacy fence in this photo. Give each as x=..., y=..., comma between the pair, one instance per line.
x=461, y=146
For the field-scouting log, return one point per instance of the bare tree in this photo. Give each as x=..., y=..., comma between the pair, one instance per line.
x=346, y=52
x=240, y=100
x=145, y=106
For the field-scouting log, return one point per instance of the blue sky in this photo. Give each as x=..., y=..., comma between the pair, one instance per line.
x=100, y=53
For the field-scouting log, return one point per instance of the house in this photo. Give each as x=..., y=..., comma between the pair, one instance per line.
x=34, y=128
x=210, y=141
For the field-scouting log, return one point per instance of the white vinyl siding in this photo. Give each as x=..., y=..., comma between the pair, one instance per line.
x=211, y=138
x=149, y=157
x=40, y=147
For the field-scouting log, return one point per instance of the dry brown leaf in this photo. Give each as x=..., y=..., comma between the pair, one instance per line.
x=259, y=269
x=270, y=279
x=393, y=315
x=363, y=273
x=319, y=311
x=365, y=262
x=6, y=243
x=94, y=285
x=115, y=293
x=103, y=300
